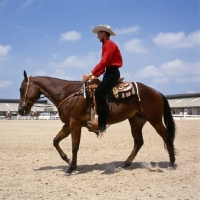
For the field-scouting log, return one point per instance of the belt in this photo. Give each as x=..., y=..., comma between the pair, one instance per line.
x=111, y=67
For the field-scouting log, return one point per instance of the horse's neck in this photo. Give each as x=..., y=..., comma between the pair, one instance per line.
x=54, y=89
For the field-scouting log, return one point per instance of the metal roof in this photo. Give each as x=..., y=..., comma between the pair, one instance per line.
x=14, y=107
x=184, y=102
x=180, y=96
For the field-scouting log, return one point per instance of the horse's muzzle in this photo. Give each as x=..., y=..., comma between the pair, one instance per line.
x=23, y=110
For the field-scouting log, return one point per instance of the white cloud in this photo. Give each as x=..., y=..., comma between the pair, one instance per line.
x=70, y=36
x=190, y=91
x=5, y=84
x=174, y=68
x=179, y=68
x=149, y=72
x=194, y=68
x=40, y=73
x=183, y=71
x=134, y=46
x=161, y=80
x=77, y=61
x=4, y=51
x=177, y=40
x=125, y=75
x=60, y=73
x=133, y=29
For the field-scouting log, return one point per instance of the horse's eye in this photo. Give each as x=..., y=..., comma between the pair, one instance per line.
x=21, y=91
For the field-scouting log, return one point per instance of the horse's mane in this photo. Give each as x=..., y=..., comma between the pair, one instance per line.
x=49, y=77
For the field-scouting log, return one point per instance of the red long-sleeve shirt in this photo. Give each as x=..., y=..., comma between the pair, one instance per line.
x=110, y=56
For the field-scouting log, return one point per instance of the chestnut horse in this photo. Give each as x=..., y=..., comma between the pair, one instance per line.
x=74, y=112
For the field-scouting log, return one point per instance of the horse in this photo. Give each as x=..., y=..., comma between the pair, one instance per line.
x=8, y=116
x=34, y=114
x=74, y=111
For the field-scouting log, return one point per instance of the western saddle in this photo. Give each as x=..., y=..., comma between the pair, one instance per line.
x=122, y=90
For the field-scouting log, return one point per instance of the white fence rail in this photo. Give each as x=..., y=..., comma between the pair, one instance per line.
x=29, y=118
x=175, y=116
x=186, y=117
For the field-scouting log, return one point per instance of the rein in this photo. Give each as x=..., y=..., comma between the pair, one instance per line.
x=26, y=101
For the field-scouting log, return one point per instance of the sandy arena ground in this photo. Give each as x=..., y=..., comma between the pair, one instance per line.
x=30, y=167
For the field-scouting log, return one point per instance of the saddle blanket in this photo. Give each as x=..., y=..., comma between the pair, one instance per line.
x=123, y=90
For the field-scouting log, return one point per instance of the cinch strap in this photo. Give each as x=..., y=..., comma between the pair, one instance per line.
x=137, y=91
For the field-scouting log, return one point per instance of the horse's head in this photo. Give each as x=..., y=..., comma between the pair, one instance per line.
x=29, y=94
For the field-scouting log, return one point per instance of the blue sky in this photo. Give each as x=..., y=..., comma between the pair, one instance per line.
x=159, y=41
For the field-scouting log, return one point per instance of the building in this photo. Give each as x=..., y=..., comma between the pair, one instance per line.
x=12, y=105
x=185, y=103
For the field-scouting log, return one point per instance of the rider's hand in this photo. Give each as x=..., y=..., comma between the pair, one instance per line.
x=86, y=77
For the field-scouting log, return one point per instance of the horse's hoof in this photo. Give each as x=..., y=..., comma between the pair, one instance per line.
x=171, y=166
x=70, y=170
x=67, y=174
x=126, y=164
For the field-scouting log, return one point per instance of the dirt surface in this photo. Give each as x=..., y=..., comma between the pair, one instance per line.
x=30, y=167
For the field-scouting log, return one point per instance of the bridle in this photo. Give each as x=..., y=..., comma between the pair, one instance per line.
x=26, y=101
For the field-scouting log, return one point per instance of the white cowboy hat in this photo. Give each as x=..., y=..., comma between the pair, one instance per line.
x=103, y=27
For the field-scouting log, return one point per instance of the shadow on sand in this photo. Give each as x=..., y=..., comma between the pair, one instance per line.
x=109, y=168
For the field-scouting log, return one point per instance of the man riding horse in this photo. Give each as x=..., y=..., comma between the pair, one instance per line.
x=8, y=115
x=148, y=105
x=109, y=65
x=34, y=114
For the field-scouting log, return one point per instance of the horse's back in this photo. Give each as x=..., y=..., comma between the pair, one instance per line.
x=144, y=89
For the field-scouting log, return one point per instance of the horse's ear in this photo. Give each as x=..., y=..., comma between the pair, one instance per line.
x=25, y=75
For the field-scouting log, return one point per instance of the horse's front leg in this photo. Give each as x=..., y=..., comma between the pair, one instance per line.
x=64, y=132
x=76, y=135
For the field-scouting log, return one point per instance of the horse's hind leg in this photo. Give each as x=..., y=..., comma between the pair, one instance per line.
x=64, y=132
x=162, y=131
x=136, y=124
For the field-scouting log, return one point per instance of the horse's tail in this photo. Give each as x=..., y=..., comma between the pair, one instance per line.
x=169, y=121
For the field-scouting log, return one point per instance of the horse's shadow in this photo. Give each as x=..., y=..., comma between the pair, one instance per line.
x=109, y=168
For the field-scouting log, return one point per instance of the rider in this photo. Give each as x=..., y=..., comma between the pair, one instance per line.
x=8, y=113
x=109, y=64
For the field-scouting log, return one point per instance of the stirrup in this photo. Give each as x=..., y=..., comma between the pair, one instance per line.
x=93, y=126
x=89, y=124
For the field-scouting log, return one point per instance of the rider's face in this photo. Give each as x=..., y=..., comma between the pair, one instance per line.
x=101, y=35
